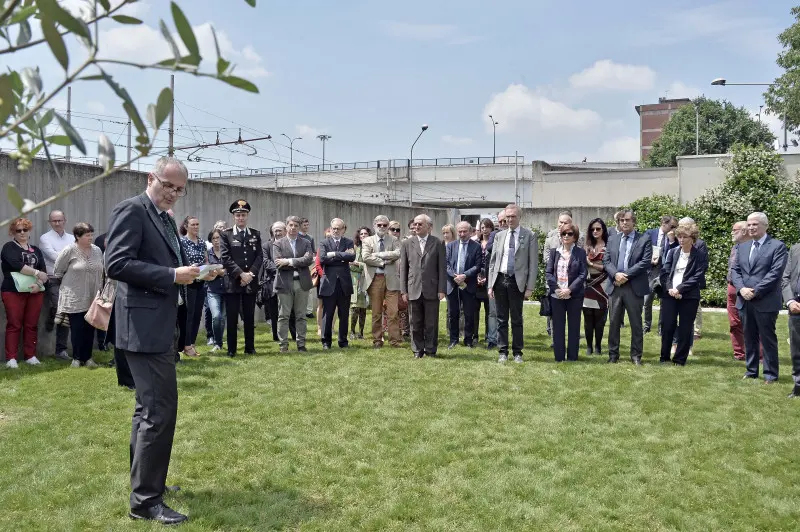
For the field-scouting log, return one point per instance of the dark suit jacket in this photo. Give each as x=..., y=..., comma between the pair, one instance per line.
x=764, y=276
x=304, y=257
x=337, y=267
x=791, y=274
x=693, y=277
x=422, y=274
x=266, y=277
x=139, y=256
x=241, y=253
x=639, y=263
x=653, y=235
x=100, y=242
x=472, y=265
x=576, y=272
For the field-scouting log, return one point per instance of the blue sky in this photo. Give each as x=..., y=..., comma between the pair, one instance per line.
x=561, y=78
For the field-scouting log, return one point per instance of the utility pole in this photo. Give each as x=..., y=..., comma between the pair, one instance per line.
x=324, y=138
x=129, y=144
x=171, y=151
x=69, y=115
x=696, y=129
x=411, y=165
x=494, y=138
x=291, y=151
x=516, y=173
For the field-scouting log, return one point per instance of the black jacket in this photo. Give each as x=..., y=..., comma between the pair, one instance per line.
x=694, y=277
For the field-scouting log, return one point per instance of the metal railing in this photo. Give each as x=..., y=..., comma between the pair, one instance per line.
x=362, y=165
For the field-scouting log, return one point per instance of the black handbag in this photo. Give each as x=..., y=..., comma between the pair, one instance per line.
x=544, y=308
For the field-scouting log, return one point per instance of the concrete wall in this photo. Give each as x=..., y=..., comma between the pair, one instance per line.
x=209, y=201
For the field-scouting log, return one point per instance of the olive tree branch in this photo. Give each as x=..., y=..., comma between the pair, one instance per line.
x=9, y=10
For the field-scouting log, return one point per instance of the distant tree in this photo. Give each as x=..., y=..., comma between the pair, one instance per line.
x=722, y=126
x=783, y=97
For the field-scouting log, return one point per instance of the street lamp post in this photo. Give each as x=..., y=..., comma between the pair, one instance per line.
x=324, y=138
x=722, y=82
x=291, y=150
x=494, y=138
x=411, y=165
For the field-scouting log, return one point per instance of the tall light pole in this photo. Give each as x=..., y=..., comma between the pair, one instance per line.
x=494, y=138
x=291, y=150
x=722, y=82
x=324, y=138
x=411, y=165
x=696, y=129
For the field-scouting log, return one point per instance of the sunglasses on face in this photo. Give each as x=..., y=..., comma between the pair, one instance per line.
x=381, y=225
x=597, y=228
x=567, y=233
x=21, y=231
x=394, y=229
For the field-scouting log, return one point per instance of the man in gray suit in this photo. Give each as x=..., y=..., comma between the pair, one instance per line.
x=756, y=275
x=380, y=253
x=513, y=267
x=144, y=255
x=292, y=255
x=627, y=262
x=791, y=296
x=423, y=281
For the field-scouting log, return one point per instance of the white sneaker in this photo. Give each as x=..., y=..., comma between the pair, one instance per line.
x=215, y=348
x=12, y=364
x=91, y=364
x=33, y=361
x=210, y=341
x=75, y=364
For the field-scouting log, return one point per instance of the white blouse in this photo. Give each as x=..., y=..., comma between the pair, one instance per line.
x=680, y=268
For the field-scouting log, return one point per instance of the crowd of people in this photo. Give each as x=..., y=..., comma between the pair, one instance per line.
x=168, y=277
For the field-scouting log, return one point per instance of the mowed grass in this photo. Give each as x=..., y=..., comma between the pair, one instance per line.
x=376, y=440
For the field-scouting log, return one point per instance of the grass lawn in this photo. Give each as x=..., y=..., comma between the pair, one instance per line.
x=377, y=440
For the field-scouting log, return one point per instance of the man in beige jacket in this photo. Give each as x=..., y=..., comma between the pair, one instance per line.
x=380, y=253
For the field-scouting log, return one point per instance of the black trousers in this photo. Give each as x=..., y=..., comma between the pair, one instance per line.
x=566, y=313
x=794, y=345
x=124, y=377
x=477, y=319
x=508, y=300
x=272, y=313
x=594, y=324
x=82, y=335
x=153, y=426
x=759, y=328
x=677, y=314
x=196, y=297
x=246, y=305
x=423, y=319
x=338, y=302
x=461, y=301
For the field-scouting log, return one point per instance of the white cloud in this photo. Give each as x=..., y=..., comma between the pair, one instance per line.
x=679, y=90
x=519, y=108
x=617, y=149
x=306, y=131
x=448, y=33
x=144, y=44
x=606, y=74
x=456, y=141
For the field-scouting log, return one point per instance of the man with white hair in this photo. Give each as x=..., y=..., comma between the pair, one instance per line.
x=738, y=235
x=757, y=275
x=463, y=264
x=380, y=253
x=423, y=281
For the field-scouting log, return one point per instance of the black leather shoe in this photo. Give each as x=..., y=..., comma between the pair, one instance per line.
x=250, y=352
x=491, y=346
x=231, y=354
x=589, y=351
x=160, y=513
x=452, y=345
x=469, y=346
x=344, y=346
x=310, y=315
x=795, y=391
x=302, y=349
x=612, y=360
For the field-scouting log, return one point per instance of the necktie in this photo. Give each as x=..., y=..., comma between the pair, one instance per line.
x=381, y=247
x=462, y=257
x=623, y=250
x=512, y=251
x=422, y=245
x=172, y=236
x=754, y=252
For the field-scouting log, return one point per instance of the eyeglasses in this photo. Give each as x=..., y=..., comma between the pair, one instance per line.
x=21, y=231
x=567, y=233
x=381, y=225
x=178, y=191
x=394, y=229
x=597, y=228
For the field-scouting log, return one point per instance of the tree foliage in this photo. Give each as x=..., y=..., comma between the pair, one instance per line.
x=783, y=97
x=23, y=96
x=755, y=180
x=722, y=126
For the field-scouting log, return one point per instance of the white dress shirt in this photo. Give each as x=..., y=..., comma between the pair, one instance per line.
x=680, y=267
x=51, y=245
x=504, y=260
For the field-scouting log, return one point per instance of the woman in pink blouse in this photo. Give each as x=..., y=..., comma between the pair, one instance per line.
x=566, y=277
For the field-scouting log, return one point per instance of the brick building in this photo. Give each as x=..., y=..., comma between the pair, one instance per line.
x=652, y=118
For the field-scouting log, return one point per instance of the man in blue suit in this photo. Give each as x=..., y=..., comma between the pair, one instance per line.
x=336, y=286
x=463, y=264
x=756, y=275
x=660, y=239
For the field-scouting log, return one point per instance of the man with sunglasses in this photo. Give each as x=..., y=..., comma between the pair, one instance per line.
x=663, y=240
x=144, y=255
x=380, y=252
